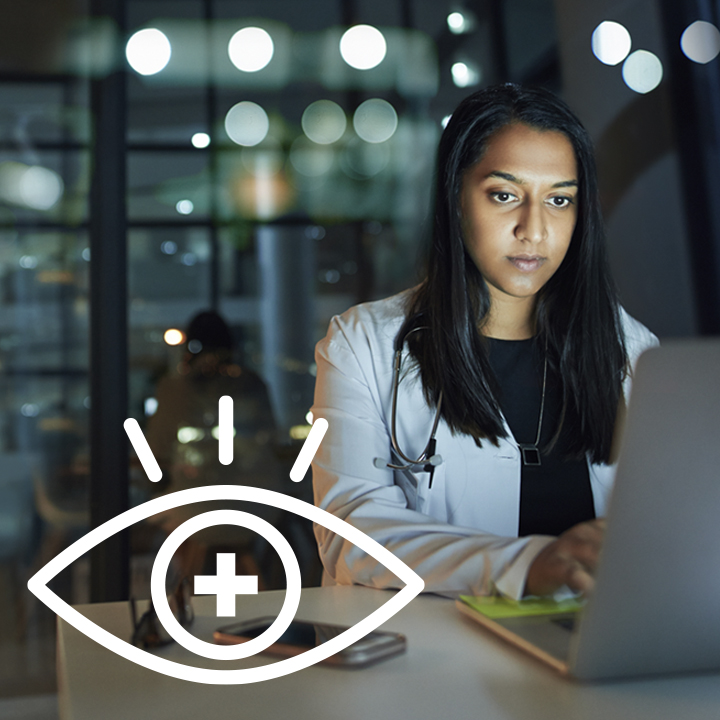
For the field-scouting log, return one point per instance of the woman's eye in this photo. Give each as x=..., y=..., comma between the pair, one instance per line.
x=502, y=197
x=561, y=201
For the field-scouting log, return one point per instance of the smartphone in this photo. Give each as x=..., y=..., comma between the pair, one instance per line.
x=301, y=636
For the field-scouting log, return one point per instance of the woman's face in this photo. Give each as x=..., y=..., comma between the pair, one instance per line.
x=519, y=207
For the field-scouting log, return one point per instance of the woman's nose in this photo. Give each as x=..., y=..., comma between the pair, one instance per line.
x=531, y=224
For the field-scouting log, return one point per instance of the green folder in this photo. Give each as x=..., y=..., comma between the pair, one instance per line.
x=495, y=607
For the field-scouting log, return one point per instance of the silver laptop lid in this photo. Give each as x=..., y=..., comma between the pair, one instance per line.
x=656, y=604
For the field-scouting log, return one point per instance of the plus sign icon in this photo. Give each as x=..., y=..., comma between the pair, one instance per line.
x=226, y=585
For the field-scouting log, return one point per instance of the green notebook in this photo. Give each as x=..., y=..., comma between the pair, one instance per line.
x=498, y=607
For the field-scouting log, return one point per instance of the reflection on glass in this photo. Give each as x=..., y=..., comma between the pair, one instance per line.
x=43, y=436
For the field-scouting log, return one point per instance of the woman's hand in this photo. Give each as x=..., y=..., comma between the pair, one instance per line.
x=570, y=560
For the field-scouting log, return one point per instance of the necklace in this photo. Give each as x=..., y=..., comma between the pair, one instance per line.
x=531, y=452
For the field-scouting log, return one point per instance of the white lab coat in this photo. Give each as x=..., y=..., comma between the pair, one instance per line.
x=461, y=535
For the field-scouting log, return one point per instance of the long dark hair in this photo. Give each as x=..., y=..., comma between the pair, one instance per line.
x=577, y=311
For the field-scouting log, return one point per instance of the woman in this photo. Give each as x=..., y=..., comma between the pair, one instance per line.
x=516, y=340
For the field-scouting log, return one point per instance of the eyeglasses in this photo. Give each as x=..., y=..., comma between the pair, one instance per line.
x=148, y=631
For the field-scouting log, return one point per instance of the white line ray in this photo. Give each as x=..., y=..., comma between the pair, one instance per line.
x=308, y=450
x=142, y=450
x=225, y=430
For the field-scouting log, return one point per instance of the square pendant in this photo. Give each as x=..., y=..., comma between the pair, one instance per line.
x=530, y=455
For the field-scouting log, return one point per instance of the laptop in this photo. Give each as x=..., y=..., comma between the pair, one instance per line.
x=655, y=608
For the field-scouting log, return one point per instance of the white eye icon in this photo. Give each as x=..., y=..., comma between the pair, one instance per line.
x=38, y=584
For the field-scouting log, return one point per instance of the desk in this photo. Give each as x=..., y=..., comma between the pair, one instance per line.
x=452, y=669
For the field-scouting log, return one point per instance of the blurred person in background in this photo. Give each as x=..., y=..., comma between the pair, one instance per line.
x=182, y=434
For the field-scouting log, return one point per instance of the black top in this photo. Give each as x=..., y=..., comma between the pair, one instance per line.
x=555, y=495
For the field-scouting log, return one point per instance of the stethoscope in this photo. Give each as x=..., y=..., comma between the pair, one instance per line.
x=428, y=459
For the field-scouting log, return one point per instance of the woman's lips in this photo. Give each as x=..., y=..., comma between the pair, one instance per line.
x=527, y=264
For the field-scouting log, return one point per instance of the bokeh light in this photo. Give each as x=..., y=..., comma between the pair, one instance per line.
x=184, y=207
x=642, y=71
x=200, y=140
x=40, y=188
x=375, y=120
x=362, y=160
x=28, y=262
x=251, y=49
x=324, y=122
x=611, y=42
x=173, y=336
x=30, y=410
x=247, y=124
x=363, y=47
x=150, y=406
x=460, y=22
x=32, y=186
x=465, y=74
x=309, y=158
x=701, y=42
x=148, y=51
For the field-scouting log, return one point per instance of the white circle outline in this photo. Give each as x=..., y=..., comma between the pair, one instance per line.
x=162, y=563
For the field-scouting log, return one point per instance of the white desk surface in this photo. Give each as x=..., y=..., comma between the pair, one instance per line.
x=452, y=669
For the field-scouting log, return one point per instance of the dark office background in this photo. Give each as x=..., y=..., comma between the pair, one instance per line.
x=129, y=202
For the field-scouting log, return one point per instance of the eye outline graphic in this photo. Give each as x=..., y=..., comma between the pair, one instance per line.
x=414, y=585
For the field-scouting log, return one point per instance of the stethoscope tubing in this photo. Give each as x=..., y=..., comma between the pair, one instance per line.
x=428, y=455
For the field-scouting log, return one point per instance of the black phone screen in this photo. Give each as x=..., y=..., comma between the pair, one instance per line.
x=298, y=633
x=308, y=635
